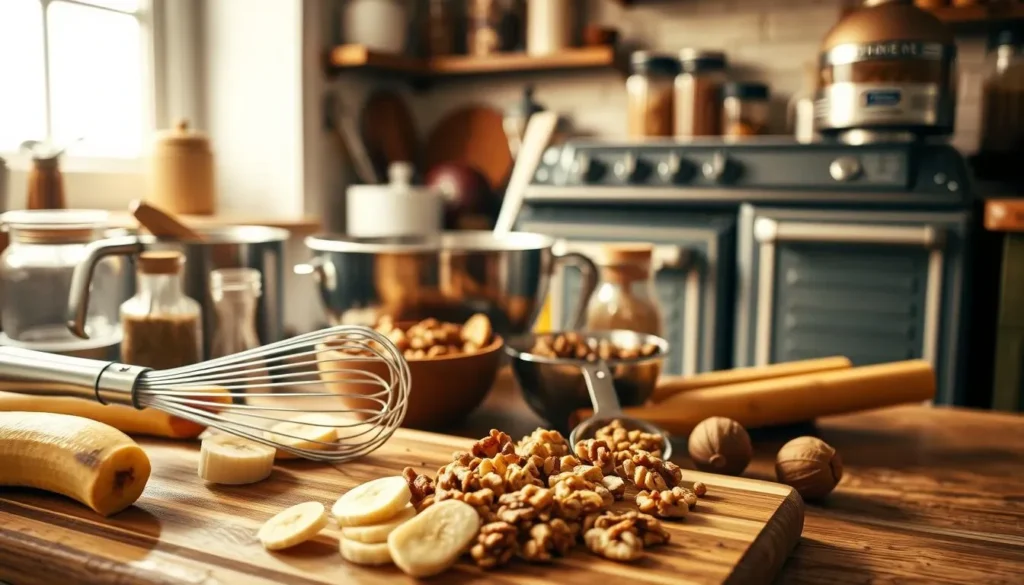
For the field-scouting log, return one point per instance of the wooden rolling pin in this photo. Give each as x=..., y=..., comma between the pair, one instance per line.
x=793, y=399
x=149, y=422
x=669, y=386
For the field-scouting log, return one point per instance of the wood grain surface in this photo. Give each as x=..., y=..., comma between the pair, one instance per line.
x=929, y=495
x=182, y=531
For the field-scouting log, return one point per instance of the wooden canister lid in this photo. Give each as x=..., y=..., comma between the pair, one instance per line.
x=627, y=255
x=182, y=136
x=160, y=262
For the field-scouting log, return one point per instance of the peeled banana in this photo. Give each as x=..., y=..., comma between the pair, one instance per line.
x=293, y=526
x=85, y=460
x=124, y=418
x=432, y=541
x=372, y=502
x=230, y=460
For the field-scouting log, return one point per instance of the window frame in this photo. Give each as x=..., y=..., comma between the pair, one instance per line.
x=171, y=74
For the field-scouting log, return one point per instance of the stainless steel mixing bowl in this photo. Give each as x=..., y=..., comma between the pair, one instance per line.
x=448, y=276
x=554, y=388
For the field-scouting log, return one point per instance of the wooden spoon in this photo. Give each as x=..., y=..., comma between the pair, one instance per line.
x=161, y=223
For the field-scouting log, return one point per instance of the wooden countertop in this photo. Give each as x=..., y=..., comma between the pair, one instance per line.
x=298, y=226
x=929, y=494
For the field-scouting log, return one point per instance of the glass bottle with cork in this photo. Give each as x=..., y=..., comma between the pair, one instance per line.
x=625, y=296
x=235, y=292
x=162, y=326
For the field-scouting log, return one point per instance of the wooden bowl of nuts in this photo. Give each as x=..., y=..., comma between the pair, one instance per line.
x=452, y=367
x=547, y=368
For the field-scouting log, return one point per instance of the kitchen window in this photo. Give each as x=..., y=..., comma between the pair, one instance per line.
x=93, y=75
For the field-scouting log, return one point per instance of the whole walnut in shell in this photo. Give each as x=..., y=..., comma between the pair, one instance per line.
x=720, y=445
x=810, y=466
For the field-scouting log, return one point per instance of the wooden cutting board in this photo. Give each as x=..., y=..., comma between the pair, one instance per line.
x=182, y=531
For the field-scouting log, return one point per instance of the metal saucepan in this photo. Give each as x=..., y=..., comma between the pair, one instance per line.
x=258, y=247
x=448, y=276
x=555, y=388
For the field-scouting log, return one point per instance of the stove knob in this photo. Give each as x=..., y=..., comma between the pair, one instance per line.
x=625, y=169
x=586, y=170
x=844, y=168
x=719, y=169
x=674, y=169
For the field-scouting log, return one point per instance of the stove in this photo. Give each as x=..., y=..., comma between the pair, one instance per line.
x=894, y=173
x=794, y=250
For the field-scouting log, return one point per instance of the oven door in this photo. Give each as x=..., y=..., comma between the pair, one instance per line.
x=872, y=286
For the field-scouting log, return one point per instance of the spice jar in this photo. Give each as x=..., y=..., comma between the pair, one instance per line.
x=625, y=296
x=440, y=34
x=745, y=109
x=649, y=94
x=698, y=93
x=483, y=27
x=549, y=26
x=1002, y=112
x=162, y=326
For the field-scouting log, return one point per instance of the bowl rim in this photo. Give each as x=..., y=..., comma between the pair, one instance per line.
x=449, y=241
x=526, y=356
x=497, y=342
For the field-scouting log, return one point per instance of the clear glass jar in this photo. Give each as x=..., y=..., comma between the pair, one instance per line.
x=745, y=109
x=1002, y=111
x=625, y=297
x=162, y=326
x=35, y=274
x=698, y=93
x=650, y=90
x=235, y=292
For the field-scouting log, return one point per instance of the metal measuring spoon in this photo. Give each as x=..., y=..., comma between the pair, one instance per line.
x=607, y=408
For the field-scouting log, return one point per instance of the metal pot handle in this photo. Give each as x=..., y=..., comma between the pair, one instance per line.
x=81, y=277
x=321, y=270
x=589, y=270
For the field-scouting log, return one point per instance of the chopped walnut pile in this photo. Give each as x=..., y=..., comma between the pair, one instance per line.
x=648, y=472
x=421, y=486
x=537, y=496
x=546, y=539
x=495, y=545
x=543, y=443
x=673, y=503
x=620, y=439
x=597, y=453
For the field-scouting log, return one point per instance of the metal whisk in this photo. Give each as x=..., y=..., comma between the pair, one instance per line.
x=271, y=385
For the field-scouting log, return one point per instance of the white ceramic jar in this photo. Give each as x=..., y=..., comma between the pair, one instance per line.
x=394, y=210
x=549, y=26
x=378, y=25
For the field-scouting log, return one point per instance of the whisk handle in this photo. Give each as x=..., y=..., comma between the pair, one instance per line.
x=104, y=381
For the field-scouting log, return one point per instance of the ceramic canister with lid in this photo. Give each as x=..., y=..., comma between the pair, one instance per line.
x=181, y=175
x=394, y=210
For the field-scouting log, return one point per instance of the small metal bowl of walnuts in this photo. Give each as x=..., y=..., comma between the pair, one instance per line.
x=452, y=367
x=549, y=368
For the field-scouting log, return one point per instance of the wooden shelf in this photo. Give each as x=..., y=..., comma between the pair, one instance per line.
x=987, y=13
x=300, y=226
x=356, y=57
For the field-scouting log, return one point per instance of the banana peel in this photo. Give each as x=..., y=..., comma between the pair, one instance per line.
x=85, y=460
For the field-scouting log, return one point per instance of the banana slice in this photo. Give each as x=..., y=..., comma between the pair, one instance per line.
x=372, y=502
x=231, y=460
x=378, y=533
x=293, y=526
x=304, y=432
x=362, y=553
x=432, y=541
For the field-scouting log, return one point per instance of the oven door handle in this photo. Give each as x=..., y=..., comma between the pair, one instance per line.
x=767, y=231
